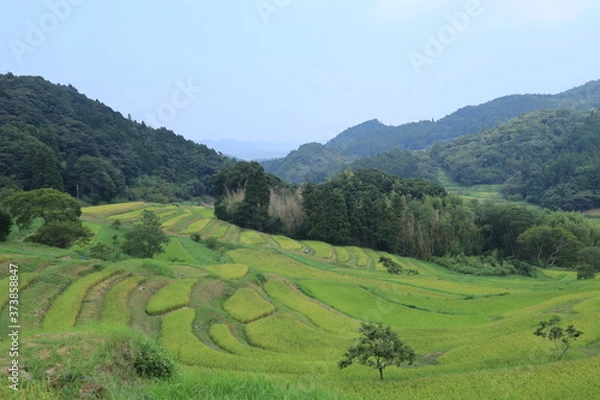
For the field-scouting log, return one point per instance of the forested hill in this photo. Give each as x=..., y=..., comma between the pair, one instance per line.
x=373, y=138
x=53, y=136
x=550, y=158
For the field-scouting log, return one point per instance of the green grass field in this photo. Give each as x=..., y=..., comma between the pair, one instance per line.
x=287, y=311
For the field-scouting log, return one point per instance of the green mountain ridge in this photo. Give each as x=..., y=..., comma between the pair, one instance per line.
x=373, y=138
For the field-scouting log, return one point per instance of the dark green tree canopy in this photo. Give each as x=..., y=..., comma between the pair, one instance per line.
x=378, y=347
x=146, y=238
x=244, y=192
x=48, y=204
x=549, y=246
x=5, y=225
x=59, y=211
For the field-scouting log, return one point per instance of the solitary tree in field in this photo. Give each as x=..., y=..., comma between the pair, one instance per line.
x=378, y=347
x=146, y=238
x=562, y=338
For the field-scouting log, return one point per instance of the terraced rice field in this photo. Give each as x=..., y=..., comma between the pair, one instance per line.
x=261, y=303
x=63, y=313
x=287, y=243
x=251, y=238
x=320, y=249
x=229, y=271
x=171, y=297
x=246, y=305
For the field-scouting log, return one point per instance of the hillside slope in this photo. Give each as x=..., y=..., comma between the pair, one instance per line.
x=53, y=136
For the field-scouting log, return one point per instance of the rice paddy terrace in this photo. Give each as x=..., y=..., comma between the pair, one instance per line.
x=246, y=304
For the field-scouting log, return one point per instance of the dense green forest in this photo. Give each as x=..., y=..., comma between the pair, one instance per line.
x=549, y=158
x=51, y=136
x=373, y=138
x=413, y=218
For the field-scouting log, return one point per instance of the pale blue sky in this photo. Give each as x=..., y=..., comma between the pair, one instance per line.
x=303, y=70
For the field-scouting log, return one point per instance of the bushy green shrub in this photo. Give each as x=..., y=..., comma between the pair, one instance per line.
x=485, y=265
x=585, y=271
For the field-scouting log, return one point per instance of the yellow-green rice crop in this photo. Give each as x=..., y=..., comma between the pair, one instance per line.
x=206, y=212
x=560, y=380
x=246, y=305
x=135, y=214
x=195, y=226
x=270, y=261
x=222, y=337
x=342, y=255
x=362, y=304
x=286, y=243
x=251, y=238
x=362, y=259
x=317, y=313
x=589, y=305
x=109, y=209
x=220, y=232
x=177, y=337
x=321, y=249
x=63, y=313
x=284, y=333
x=171, y=297
x=174, y=251
x=115, y=310
x=229, y=271
x=173, y=221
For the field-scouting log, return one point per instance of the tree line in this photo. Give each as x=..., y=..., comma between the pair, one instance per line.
x=415, y=218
